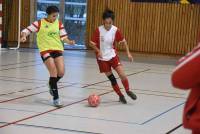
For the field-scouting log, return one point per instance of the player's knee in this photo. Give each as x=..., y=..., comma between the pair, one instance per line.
x=61, y=74
x=112, y=79
x=53, y=72
x=123, y=77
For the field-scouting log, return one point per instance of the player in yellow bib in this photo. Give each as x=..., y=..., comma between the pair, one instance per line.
x=50, y=37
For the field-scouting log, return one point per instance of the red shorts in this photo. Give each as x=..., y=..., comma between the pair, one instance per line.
x=105, y=66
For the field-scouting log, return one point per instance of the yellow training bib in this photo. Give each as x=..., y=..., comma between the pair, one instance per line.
x=48, y=37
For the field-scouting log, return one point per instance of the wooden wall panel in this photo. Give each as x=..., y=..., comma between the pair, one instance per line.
x=10, y=18
x=150, y=27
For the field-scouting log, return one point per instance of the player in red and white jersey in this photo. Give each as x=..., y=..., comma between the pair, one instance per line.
x=103, y=42
x=187, y=76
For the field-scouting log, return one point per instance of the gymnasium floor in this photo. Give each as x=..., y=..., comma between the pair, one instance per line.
x=25, y=105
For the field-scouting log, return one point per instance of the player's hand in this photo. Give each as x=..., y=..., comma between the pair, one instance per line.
x=99, y=54
x=130, y=57
x=23, y=39
x=72, y=42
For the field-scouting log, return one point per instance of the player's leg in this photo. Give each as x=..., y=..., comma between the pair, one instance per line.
x=105, y=67
x=115, y=86
x=125, y=82
x=119, y=69
x=50, y=64
x=59, y=62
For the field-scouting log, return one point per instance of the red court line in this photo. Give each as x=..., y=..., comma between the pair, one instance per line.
x=17, y=63
x=163, y=95
x=54, y=109
x=34, y=80
x=23, y=90
x=154, y=91
x=19, y=81
x=116, y=78
x=20, y=67
x=17, y=98
x=15, y=122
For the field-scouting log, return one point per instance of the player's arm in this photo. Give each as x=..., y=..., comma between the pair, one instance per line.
x=187, y=74
x=94, y=41
x=124, y=42
x=93, y=45
x=121, y=40
x=68, y=41
x=34, y=27
x=63, y=35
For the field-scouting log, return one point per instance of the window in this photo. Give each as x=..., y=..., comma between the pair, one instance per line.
x=75, y=20
x=73, y=16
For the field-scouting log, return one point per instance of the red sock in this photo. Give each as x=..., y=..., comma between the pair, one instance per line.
x=117, y=89
x=125, y=84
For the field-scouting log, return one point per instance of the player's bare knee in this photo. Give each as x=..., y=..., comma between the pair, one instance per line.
x=123, y=77
x=108, y=73
x=61, y=74
x=53, y=72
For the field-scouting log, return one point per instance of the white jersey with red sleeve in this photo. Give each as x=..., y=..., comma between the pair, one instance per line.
x=35, y=27
x=187, y=74
x=105, y=40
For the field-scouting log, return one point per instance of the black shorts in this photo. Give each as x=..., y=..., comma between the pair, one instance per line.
x=53, y=54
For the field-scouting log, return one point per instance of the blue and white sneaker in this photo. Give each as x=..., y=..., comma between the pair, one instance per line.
x=57, y=103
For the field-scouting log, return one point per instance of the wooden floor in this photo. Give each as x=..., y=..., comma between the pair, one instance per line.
x=25, y=103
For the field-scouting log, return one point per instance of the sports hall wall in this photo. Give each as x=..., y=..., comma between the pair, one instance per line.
x=10, y=19
x=150, y=27
x=170, y=29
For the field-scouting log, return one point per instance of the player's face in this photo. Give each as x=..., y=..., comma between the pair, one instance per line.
x=52, y=17
x=108, y=23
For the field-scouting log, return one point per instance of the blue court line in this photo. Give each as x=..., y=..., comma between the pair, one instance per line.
x=101, y=119
x=124, y=122
x=153, y=118
x=55, y=128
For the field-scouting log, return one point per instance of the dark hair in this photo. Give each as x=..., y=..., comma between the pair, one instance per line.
x=52, y=9
x=108, y=14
